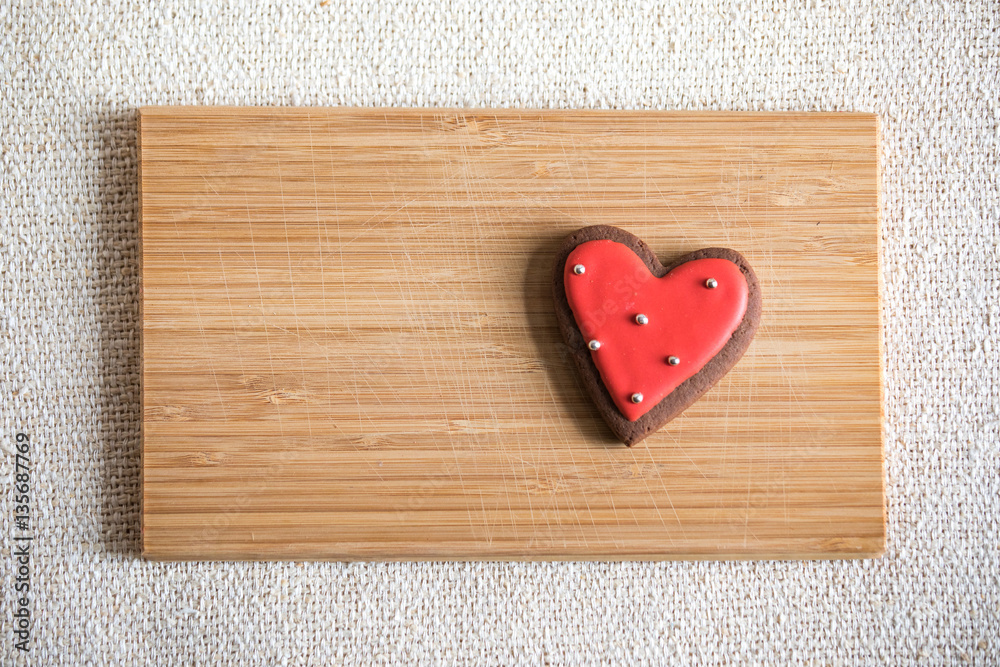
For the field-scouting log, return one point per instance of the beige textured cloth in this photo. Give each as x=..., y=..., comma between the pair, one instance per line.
x=71, y=77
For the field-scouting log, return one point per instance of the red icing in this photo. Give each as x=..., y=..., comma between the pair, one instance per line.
x=686, y=319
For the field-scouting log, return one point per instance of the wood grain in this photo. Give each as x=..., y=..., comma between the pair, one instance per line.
x=350, y=350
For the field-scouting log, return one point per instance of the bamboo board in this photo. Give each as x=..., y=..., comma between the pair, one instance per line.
x=350, y=350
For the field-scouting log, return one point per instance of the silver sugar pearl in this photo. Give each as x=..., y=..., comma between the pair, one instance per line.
x=594, y=345
x=641, y=319
x=579, y=269
x=711, y=283
x=673, y=361
x=637, y=397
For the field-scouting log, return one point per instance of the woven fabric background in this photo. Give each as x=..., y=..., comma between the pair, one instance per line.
x=72, y=76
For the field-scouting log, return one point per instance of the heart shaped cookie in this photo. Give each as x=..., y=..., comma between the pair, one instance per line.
x=650, y=339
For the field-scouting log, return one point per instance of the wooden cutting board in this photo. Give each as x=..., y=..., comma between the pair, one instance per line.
x=350, y=350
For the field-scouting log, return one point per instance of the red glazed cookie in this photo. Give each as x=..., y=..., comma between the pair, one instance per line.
x=649, y=340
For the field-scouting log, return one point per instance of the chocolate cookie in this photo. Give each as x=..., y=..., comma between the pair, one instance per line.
x=650, y=339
